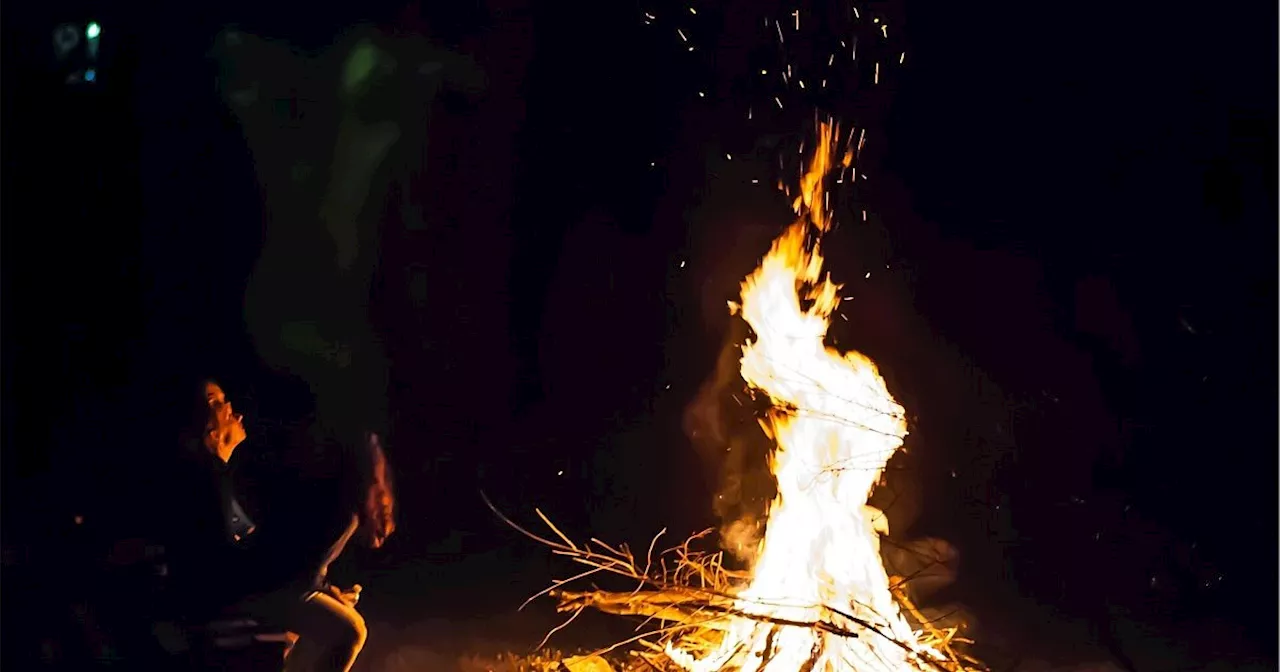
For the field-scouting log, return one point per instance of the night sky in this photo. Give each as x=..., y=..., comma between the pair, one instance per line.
x=1070, y=236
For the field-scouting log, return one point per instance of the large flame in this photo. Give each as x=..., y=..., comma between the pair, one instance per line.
x=818, y=589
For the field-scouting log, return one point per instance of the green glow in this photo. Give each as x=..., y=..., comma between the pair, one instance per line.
x=93, y=30
x=360, y=64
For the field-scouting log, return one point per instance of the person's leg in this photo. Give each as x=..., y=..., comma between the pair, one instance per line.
x=330, y=635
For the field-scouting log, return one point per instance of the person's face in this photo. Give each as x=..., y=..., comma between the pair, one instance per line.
x=224, y=427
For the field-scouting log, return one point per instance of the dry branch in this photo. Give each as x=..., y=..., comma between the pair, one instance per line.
x=672, y=606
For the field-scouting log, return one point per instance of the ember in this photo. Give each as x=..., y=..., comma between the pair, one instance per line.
x=818, y=596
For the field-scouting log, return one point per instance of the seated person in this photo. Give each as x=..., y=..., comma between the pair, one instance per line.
x=220, y=561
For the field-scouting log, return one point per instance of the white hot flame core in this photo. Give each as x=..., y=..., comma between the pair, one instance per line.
x=818, y=578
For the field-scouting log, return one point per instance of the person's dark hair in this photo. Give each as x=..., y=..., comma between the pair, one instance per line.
x=196, y=422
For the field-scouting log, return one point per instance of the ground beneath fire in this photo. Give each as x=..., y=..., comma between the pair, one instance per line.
x=450, y=612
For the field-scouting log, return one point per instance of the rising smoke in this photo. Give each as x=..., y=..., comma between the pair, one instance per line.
x=721, y=424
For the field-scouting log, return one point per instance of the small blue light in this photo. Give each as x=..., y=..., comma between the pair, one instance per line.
x=90, y=75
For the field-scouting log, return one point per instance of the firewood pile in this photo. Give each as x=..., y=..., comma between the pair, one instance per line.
x=685, y=598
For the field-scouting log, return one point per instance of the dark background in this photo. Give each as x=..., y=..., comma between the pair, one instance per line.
x=1071, y=235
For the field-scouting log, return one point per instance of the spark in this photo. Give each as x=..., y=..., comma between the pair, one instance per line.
x=683, y=38
x=748, y=114
x=693, y=11
x=779, y=27
x=702, y=94
x=800, y=82
x=856, y=15
x=884, y=30
x=649, y=16
x=867, y=276
x=797, y=15
x=855, y=48
x=682, y=262
x=727, y=157
x=877, y=79
x=864, y=215
x=779, y=102
x=831, y=59
x=902, y=57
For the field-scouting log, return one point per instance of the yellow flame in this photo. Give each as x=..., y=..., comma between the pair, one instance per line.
x=818, y=576
x=813, y=180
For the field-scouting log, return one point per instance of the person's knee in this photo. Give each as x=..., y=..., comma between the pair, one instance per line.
x=334, y=631
x=354, y=635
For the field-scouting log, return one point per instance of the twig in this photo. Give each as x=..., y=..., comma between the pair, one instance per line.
x=558, y=628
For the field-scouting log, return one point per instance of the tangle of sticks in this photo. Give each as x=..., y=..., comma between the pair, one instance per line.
x=687, y=597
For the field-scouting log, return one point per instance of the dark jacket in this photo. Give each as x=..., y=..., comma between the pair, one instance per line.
x=302, y=520
x=208, y=568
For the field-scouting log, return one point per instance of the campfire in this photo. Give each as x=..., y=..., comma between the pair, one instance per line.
x=817, y=595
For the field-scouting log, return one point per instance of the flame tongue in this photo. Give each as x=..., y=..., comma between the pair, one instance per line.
x=812, y=188
x=818, y=576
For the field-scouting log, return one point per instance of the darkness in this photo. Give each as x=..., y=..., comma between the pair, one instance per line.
x=1071, y=235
